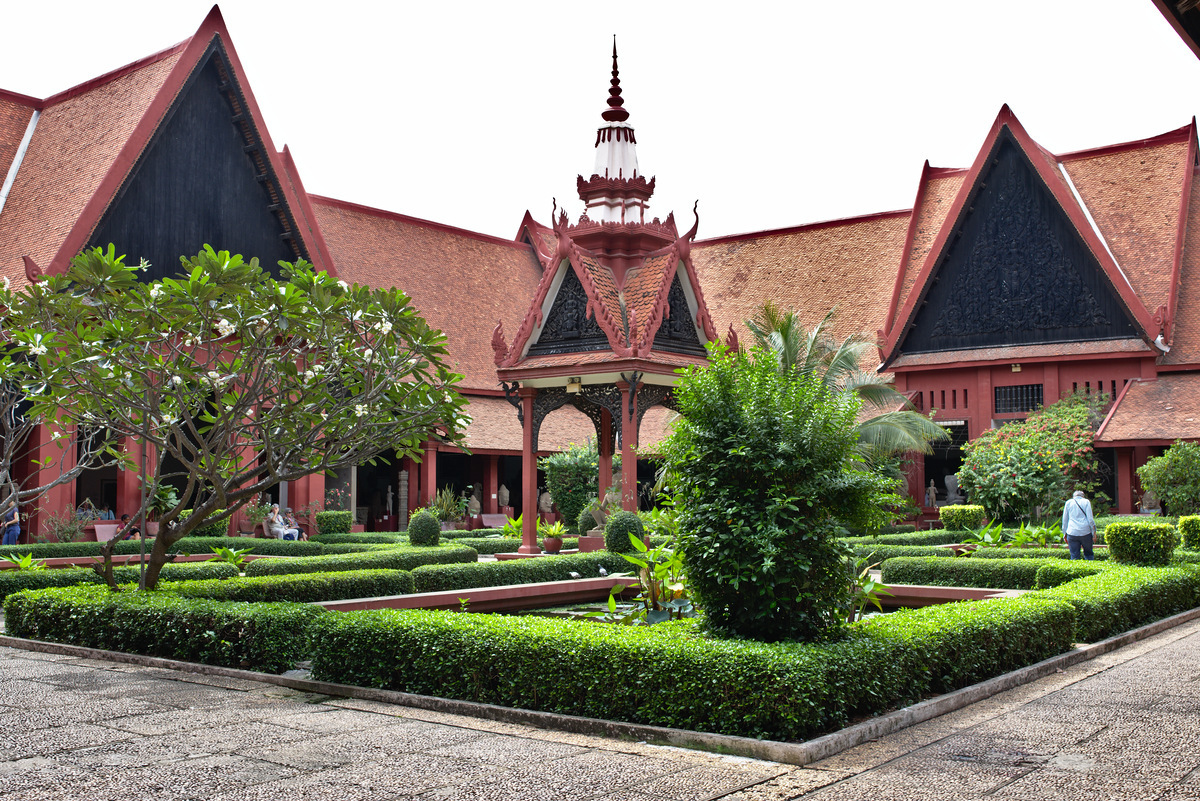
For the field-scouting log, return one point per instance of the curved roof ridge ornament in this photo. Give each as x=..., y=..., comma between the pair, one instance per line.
x=32, y=271
x=683, y=245
x=615, y=111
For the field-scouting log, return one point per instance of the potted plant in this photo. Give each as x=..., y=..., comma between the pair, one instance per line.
x=255, y=513
x=448, y=508
x=552, y=535
x=164, y=499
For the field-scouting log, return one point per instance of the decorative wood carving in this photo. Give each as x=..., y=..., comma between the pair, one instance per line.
x=1016, y=271
x=511, y=395
x=677, y=333
x=568, y=328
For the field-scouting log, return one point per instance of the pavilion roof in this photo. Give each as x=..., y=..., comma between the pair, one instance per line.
x=1154, y=412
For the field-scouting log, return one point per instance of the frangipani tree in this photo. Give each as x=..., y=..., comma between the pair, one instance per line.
x=244, y=380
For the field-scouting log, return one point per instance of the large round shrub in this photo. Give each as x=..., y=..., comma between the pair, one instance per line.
x=1141, y=543
x=1189, y=531
x=961, y=517
x=1175, y=478
x=765, y=473
x=619, y=527
x=424, y=529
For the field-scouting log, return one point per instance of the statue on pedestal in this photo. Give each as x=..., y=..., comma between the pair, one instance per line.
x=931, y=494
x=952, y=493
x=502, y=495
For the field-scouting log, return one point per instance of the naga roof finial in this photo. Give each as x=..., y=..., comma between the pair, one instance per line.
x=615, y=111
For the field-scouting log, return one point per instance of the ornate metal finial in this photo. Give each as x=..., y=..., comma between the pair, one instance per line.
x=615, y=111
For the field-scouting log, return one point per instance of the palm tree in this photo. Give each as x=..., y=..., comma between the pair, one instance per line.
x=895, y=429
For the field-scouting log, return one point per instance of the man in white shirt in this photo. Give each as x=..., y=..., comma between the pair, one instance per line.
x=1078, y=525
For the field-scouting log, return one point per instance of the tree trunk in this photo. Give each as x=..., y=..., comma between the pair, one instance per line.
x=159, y=555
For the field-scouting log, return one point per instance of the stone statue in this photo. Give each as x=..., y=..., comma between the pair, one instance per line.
x=474, y=507
x=545, y=502
x=502, y=495
x=952, y=493
x=1150, y=503
x=390, y=495
x=612, y=498
x=931, y=494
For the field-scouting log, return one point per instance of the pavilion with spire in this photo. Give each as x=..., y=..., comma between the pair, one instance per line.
x=618, y=310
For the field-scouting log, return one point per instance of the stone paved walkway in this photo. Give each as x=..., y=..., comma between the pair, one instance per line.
x=1125, y=726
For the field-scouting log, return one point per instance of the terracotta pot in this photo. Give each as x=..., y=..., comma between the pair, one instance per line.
x=552, y=544
x=151, y=528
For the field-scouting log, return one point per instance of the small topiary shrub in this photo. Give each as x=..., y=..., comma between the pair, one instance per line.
x=961, y=518
x=1060, y=571
x=335, y=521
x=1189, y=531
x=1141, y=543
x=424, y=530
x=208, y=529
x=585, y=522
x=617, y=530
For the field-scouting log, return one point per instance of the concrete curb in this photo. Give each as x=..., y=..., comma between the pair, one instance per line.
x=790, y=753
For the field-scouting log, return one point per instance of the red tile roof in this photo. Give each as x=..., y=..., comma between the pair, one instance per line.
x=935, y=196
x=76, y=142
x=1185, y=342
x=462, y=282
x=850, y=264
x=1166, y=409
x=15, y=111
x=1134, y=196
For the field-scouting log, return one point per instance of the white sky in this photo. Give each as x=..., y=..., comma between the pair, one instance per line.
x=771, y=114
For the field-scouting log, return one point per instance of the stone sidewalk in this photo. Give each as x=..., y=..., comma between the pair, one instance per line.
x=1124, y=726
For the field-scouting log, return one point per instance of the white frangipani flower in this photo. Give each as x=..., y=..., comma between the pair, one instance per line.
x=156, y=291
x=384, y=327
x=37, y=349
x=225, y=327
x=345, y=287
x=360, y=409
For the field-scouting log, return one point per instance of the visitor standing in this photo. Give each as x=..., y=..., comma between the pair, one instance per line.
x=1078, y=525
x=12, y=524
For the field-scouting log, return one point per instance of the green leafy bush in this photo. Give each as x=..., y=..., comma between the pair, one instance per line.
x=297, y=587
x=261, y=547
x=573, y=478
x=397, y=557
x=424, y=530
x=881, y=553
x=962, y=517
x=16, y=580
x=473, y=534
x=1175, y=477
x=1141, y=543
x=584, y=522
x=1000, y=574
x=1121, y=598
x=619, y=527
x=492, y=545
x=207, y=528
x=440, y=578
x=763, y=463
x=268, y=637
x=1054, y=572
x=1189, y=531
x=1029, y=553
x=379, y=538
x=1104, y=521
x=334, y=521
x=355, y=547
x=935, y=537
x=787, y=691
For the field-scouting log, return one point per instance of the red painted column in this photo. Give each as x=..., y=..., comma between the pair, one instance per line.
x=529, y=494
x=129, y=490
x=1050, y=390
x=605, y=446
x=62, y=456
x=302, y=492
x=429, y=474
x=984, y=400
x=491, y=484
x=1124, y=481
x=629, y=435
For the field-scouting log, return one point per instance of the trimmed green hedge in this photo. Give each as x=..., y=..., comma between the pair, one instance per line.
x=334, y=521
x=962, y=517
x=492, y=545
x=352, y=547
x=1189, y=530
x=16, y=580
x=1141, y=543
x=381, y=538
x=298, y=587
x=439, y=578
x=479, y=532
x=269, y=637
x=939, y=536
x=1055, y=572
x=260, y=547
x=1100, y=554
x=1121, y=598
x=998, y=574
x=881, y=553
x=396, y=557
x=780, y=691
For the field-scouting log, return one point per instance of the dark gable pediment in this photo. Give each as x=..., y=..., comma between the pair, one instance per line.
x=677, y=332
x=1015, y=271
x=202, y=179
x=568, y=328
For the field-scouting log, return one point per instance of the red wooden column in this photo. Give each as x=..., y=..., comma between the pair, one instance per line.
x=129, y=485
x=304, y=491
x=491, y=485
x=413, y=500
x=529, y=494
x=629, y=435
x=1124, y=481
x=605, y=446
x=429, y=474
x=61, y=454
